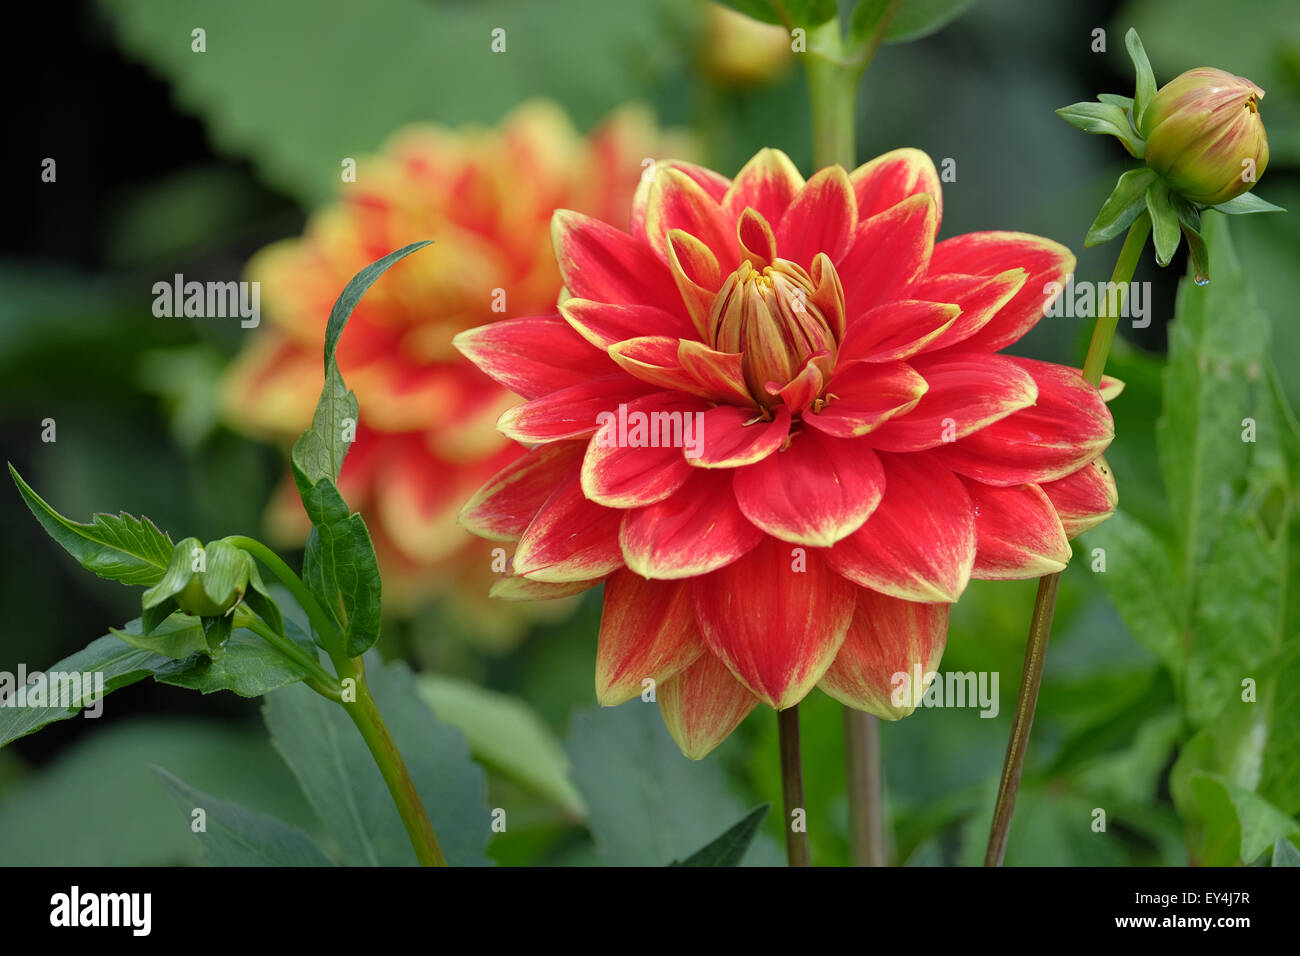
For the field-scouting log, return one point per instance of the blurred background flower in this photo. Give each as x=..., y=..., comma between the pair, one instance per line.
x=426, y=438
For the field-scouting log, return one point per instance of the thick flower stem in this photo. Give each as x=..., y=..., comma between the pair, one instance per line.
x=1040, y=627
x=796, y=823
x=866, y=788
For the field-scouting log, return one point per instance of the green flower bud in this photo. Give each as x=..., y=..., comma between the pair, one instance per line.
x=203, y=581
x=1204, y=135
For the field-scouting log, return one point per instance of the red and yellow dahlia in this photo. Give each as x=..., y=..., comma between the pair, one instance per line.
x=426, y=439
x=775, y=420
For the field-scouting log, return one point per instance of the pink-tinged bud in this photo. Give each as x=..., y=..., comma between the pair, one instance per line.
x=1205, y=135
x=778, y=318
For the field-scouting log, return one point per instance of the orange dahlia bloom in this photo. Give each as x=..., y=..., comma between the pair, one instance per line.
x=774, y=420
x=425, y=438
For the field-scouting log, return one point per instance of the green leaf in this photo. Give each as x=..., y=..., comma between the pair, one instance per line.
x=120, y=663
x=258, y=599
x=117, y=547
x=238, y=836
x=865, y=20
x=730, y=848
x=1140, y=581
x=1125, y=203
x=246, y=666
x=338, y=774
x=1240, y=826
x=1114, y=99
x=506, y=734
x=648, y=804
x=340, y=567
x=1146, y=79
x=179, y=637
x=761, y=10
x=1103, y=118
x=97, y=803
x=1285, y=853
x=1164, y=221
x=1245, y=204
x=919, y=18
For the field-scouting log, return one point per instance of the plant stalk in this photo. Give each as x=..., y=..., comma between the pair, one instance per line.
x=796, y=841
x=1040, y=626
x=862, y=769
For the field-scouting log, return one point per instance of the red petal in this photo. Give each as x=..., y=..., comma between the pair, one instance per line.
x=887, y=180
x=697, y=530
x=980, y=298
x=1017, y=533
x=712, y=183
x=799, y=392
x=571, y=539
x=776, y=618
x=919, y=544
x=637, y=457
x=1068, y=427
x=891, y=647
x=720, y=375
x=647, y=630
x=822, y=218
x=967, y=392
x=890, y=251
x=677, y=201
x=599, y=262
x=1085, y=498
x=895, y=331
x=989, y=253
x=817, y=491
x=570, y=412
x=863, y=396
x=696, y=272
x=703, y=704
x=768, y=184
x=533, y=356
x=504, y=506
x=603, y=324
x=512, y=587
x=733, y=436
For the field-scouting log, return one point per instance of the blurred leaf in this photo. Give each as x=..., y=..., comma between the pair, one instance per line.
x=648, y=804
x=238, y=836
x=506, y=734
x=339, y=776
x=920, y=18
x=98, y=803
x=1285, y=853
x=117, y=547
x=730, y=848
x=1140, y=580
x=1239, y=825
x=261, y=92
x=188, y=380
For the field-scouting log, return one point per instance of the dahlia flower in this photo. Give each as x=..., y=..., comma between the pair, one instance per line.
x=775, y=421
x=425, y=439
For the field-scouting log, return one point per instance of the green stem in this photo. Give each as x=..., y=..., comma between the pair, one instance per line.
x=862, y=770
x=796, y=841
x=323, y=682
x=365, y=714
x=832, y=95
x=1040, y=626
x=320, y=621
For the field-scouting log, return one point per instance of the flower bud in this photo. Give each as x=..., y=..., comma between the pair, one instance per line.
x=1205, y=136
x=203, y=581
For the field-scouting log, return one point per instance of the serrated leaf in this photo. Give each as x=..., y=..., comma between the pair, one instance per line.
x=237, y=836
x=1164, y=221
x=919, y=18
x=1245, y=204
x=117, y=547
x=730, y=848
x=179, y=637
x=340, y=567
x=337, y=773
x=506, y=734
x=1145, y=87
x=1125, y=203
x=120, y=663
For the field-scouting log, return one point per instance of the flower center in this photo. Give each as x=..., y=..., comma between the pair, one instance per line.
x=781, y=319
